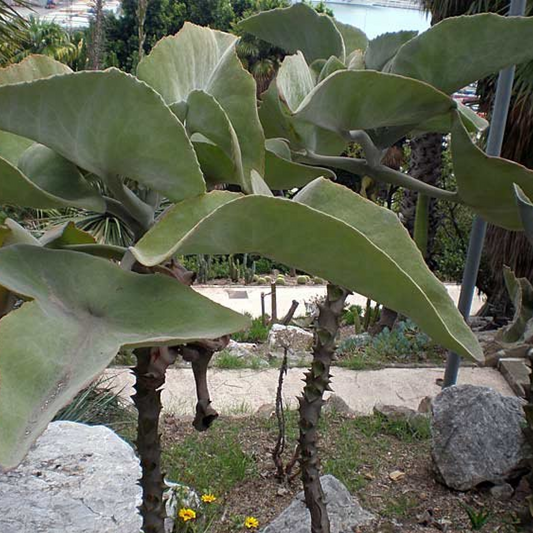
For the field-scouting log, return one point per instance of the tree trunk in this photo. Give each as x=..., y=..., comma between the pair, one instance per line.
x=97, y=48
x=311, y=402
x=147, y=399
x=425, y=165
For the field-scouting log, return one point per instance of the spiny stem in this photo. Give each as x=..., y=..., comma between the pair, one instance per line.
x=147, y=399
x=316, y=384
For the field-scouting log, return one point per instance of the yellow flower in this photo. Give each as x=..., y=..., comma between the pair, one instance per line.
x=251, y=522
x=209, y=498
x=187, y=514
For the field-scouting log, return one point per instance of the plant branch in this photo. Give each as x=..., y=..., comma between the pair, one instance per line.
x=378, y=172
x=140, y=211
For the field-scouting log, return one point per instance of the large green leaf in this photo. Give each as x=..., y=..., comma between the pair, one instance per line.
x=281, y=173
x=354, y=38
x=199, y=58
x=461, y=50
x=206, y=116
x=295, y=80
x=13, y=146
x=384, y=47
x=277, y=119
x=361, y=100
x=486, y=183
x=331, y=232
x=31, y=68
x=298, y=27
x=46, y=180
x=443, y=123
x=83, y=310
x=525, y=208
x=108, y=123
x=12, y=233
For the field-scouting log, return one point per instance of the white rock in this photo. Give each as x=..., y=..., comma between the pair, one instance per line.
x=345, y=512
x=76, y=479
x=241, y=349
x=292, y=337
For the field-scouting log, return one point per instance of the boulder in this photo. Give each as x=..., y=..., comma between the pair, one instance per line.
x=242, y=349
x=477, y=437
x=344, y=510
x=336, y=405
x=292, y=337
x=77, y=478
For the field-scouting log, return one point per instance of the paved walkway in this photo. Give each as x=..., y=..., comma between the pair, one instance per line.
x=247, y=299
x=244, y=391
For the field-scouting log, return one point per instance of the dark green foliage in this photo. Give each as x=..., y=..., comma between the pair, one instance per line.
x=256, y=333
x=478, y=518
x=100, y=404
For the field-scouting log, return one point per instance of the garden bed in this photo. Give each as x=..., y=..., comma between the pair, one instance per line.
x=233, y=461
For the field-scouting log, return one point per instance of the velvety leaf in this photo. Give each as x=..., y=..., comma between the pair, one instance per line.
x=181, y=63
x=520, y=329
x=384, y=47
x=83, y=310
x=58, y=178
x=206, y=116
x=485, y=183
x=525, y=208
x=66, y=235
x=32, y=68
x=278, y=122
x=280, y=147
x=295, y=80
x=461, y=50
x=443, y=123
x=13, y=146
x=360, y=100
x=59, y=184
x=283, y=174
x=107, y=123
x=12, y=233
x=295, y=28
x=198, y=58
x=335, y=234
x=332, y=65
x=161, y=243
x=354, y=38
x=215, y=164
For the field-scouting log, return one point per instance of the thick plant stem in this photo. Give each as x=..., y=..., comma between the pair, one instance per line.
x=311, y=402
x=147, y=399
x=420, y=234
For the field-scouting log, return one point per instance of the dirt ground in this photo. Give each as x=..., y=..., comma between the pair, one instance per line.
x=362, y=453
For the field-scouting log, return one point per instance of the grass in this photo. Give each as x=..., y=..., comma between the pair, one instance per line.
x=228, y=361
x=213, y=462
x=399, y=507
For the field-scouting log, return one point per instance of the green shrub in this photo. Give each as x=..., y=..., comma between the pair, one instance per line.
x=256, y=333
x=229, y=361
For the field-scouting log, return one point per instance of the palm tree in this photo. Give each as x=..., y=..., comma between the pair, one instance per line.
x=502, y=247
x=12, y=27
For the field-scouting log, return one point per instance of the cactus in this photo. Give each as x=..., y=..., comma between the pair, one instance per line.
x=204, y=268
x=318, y=281
x=262, y=281
x=280, y=280
x=249, y=273
x=234, y=269
x=301, y=280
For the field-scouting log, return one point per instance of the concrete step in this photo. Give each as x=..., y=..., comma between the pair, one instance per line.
x=516, y=372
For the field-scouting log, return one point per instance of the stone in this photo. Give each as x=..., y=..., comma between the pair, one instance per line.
x=267, y=410
x=424, y=406
x=292, y=337
x=241, y=349
x=336, y=405
x=502, y=492
x=477, y=437
x=344, y=510
x=77, y=478
x=395, y=413
x=177, y=496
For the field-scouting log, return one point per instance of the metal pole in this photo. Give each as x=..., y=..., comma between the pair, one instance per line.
x=479, y=226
